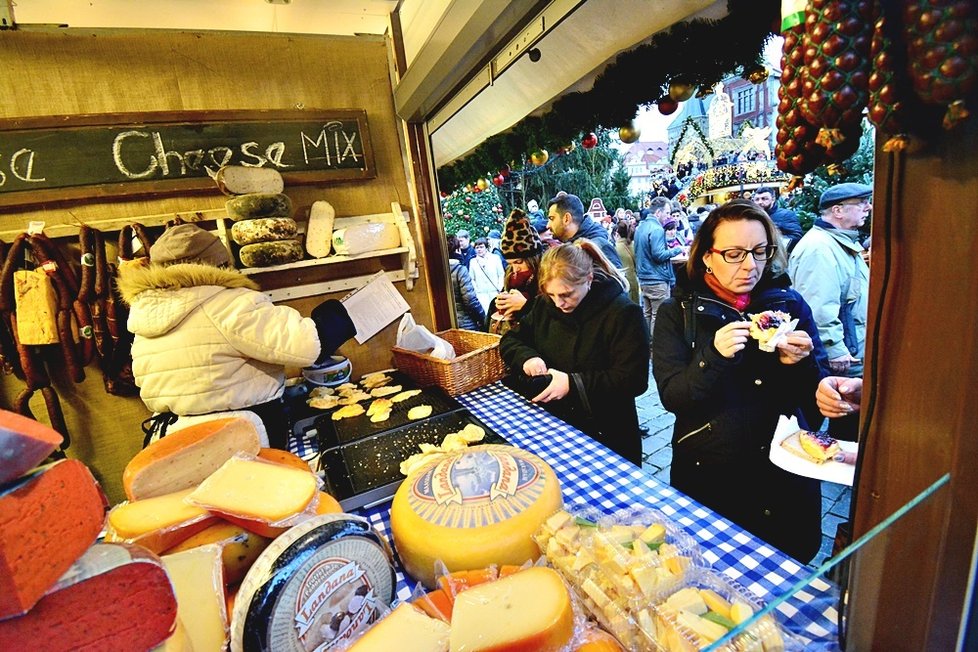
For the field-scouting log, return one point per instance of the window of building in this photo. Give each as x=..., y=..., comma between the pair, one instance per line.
x=745, y=100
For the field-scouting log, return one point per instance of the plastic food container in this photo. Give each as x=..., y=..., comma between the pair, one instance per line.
x=335, y=371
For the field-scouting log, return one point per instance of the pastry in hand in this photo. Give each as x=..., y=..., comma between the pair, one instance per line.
x=765, y=324
x=818, y=445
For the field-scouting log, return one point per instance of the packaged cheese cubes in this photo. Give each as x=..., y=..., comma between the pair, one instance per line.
x=619, y=565
x=471, y=509
x=24, y=443
x=183, y=459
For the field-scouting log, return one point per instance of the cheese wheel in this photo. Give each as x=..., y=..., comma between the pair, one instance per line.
x=258, y=204
x=115, y=597
x=263, y=229
x=472, y=509
x=47, y=520
x=529, y=610
x=197, y=577
x=24, y=443
x=257, y=490
x=406, y=629
x=184, y=458
x=319, y=232
x=239, y=547
x=319, y=584
x=266, y=254
x=241, y=180
x=363, y=238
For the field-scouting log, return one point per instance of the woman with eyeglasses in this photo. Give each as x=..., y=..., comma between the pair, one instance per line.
x=726, y=393
x=591, y=340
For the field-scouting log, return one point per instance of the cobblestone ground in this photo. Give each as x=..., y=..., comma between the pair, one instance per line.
x=657, y=456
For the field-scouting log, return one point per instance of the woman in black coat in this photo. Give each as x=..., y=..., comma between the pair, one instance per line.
x=468, y=310
x=726, y=393
x=586, y=333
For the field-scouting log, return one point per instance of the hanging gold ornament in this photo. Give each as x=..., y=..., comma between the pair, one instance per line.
x=539, y=157
x=680, y=90
x=482, y=183
x=629, y=134
x=757, y=75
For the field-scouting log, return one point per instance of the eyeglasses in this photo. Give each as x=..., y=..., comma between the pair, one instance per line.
x=738, y=255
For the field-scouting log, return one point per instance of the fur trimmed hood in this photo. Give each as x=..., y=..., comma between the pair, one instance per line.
x=136, y=279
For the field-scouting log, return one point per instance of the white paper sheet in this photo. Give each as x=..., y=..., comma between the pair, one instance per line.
x=830, y=471
x=374, y=306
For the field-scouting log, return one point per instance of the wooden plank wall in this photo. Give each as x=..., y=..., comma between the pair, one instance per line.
x=63, y=72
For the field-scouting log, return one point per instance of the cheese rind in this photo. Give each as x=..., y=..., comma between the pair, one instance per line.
x=24, y=443
x=47, y=521
x=185, y=458
x=406, y=629
x=239, y=547
x=258, y=204
x=266, y=254
x=256, y=490
x=529, y=610
x=198, y=581
x=263, y=229
x=472, y=509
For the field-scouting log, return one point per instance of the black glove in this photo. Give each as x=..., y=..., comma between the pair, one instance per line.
x=334, y=326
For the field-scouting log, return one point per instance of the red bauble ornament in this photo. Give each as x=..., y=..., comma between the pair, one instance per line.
x=498, y=180
x=504, y=171
x=590, y=141
x=667, y=106
x=444, y=195
x=477, y=189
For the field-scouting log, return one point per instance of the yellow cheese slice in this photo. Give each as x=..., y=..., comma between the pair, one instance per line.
x=198, y=581
x=406, y=629
x=256, y=490
x=139, y=517
x=529, y=610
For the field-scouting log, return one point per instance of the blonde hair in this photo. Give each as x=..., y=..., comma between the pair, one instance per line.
x=573, y=262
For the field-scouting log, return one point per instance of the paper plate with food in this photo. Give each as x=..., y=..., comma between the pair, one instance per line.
x=813, y=454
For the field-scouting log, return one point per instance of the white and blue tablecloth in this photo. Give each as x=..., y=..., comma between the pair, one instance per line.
x=594, y=475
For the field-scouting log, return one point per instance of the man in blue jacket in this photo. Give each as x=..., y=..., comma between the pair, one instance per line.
x=653, y=259
x=567, y=222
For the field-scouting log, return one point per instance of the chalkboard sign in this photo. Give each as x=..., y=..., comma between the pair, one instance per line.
x=76, y=157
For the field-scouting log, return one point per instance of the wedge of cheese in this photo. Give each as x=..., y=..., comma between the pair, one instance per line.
x=239, y=547
x=183, y=459
x=406, y=629
x=47, y=520
x=257, y=490
x=24, y=443
x=141, y=517
x=198, y=581
x=529, y=610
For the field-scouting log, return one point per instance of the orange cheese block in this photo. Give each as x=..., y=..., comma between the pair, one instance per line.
x=283, y=457
x=256, y=490
x=527, y=611
x=406, y=629
x=474, y=508
x=115, y=597
x=239, y=548
x=183, y=459
x=326, y=505
x=24, y=443
x=48, y=518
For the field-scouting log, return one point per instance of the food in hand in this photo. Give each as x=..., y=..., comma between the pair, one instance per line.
x=818, y=445
x=419, y=412
x=348, y=411
x=765, y=324
x=405, y=395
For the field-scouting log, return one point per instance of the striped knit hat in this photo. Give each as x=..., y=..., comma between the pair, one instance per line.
x=520, y=240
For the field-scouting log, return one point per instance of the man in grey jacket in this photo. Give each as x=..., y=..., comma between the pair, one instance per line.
x=653, y=259
x=827, y=268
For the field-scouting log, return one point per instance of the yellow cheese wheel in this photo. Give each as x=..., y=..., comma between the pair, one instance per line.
x=471, y=509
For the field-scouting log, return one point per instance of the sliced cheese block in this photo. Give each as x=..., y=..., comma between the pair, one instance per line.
x=266, y=254
x=326, y=505
x=257, y=490
x=183, y=459
x=319, y=584
x=319, y=232
x=198, y=581
x=47, y=520
x=242, y=180
x=179, y=641
x=529, y=610
x=240, y=548
x=115, y=597
x=140, y=517
x=471, y=509
x=24, y=443
x=406, y=629
x=263, y=229
x=363, y=238
x=258, y=204
x=37, y=307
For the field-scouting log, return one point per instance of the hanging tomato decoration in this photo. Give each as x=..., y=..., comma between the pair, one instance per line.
x=539, y=157
x=667, y=106
x=498, y=180
x=590, y=141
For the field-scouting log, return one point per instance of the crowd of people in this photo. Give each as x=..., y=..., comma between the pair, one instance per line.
x=585, y=306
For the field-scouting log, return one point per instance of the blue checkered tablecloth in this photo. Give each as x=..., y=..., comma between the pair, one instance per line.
x=592, y=474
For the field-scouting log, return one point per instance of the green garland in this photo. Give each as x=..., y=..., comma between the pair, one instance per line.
x=700, y=52
x=690, y=122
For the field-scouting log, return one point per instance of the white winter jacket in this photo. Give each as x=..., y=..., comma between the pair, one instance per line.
x=206, y=340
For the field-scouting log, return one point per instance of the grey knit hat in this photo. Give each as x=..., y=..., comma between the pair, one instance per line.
x=188, y=243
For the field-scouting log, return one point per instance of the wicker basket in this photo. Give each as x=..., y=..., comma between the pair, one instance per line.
x=476, y=362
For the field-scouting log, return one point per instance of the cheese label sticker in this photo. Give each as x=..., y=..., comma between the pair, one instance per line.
x=477, y=487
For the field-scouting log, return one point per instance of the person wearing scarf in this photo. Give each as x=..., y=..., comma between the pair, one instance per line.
x=728, y=394
x=522, y=248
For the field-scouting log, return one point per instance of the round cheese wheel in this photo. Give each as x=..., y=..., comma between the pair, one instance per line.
x=471, y=509
x=263, y=229
x=320, y=583
x=258, y=204
x=265, y=254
